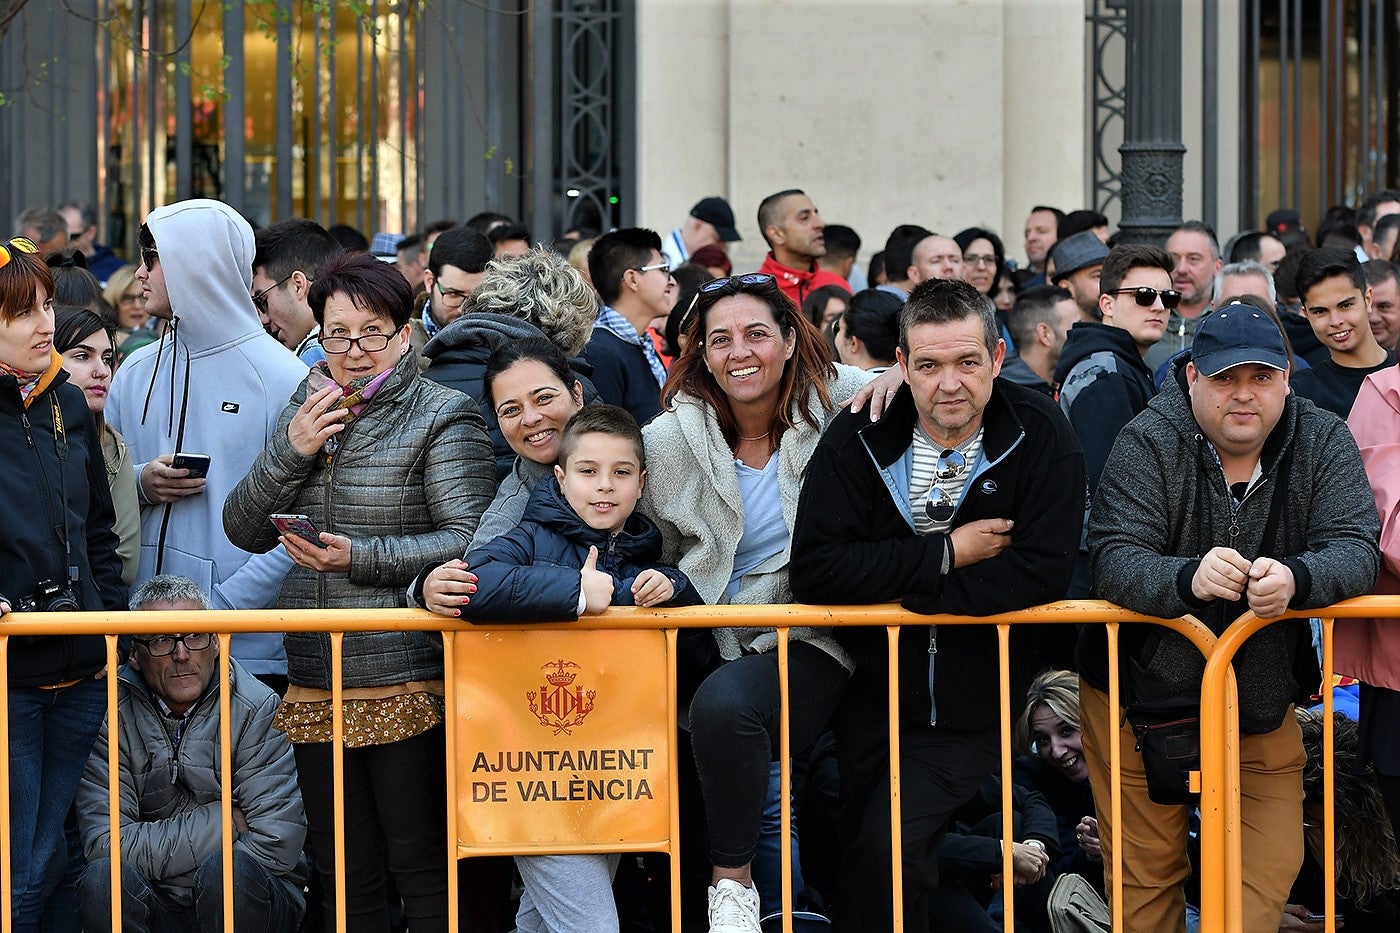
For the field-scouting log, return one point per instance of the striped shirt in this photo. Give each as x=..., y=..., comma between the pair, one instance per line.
x=936, y=466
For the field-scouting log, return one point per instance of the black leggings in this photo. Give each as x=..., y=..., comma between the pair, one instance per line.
x=395, y=808
x=734, y=729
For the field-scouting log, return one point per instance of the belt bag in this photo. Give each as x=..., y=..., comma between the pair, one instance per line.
x=1168, y=735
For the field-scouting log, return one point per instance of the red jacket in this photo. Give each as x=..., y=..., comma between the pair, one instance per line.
x=797, y=284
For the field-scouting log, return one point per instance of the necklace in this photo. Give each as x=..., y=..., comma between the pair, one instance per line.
x=756, y=438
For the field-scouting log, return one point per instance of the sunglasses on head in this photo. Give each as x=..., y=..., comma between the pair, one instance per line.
x=751, y=278
x=1145, y=296
x=18, y=244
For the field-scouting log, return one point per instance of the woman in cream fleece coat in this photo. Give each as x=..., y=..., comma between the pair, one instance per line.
x=745, y=406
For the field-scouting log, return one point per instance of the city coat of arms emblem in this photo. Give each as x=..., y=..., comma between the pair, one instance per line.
x=559, y=704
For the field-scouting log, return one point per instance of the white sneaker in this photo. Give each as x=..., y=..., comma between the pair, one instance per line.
x=733, y=908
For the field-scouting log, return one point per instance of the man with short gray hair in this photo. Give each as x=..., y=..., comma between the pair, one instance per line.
x=1246, y=277
x=169, y=780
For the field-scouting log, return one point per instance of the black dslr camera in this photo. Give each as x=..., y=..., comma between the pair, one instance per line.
x=48, y=596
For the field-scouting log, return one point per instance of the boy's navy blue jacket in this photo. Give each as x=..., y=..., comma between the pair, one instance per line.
x=531, y=574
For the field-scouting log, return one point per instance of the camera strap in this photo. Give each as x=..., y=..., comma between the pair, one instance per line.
x=60, y=442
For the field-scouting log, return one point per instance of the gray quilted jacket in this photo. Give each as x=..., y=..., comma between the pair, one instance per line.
x=170, y=795
x=407, y=486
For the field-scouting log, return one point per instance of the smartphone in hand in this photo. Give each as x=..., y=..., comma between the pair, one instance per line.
x=299, y=525
x=197, y=464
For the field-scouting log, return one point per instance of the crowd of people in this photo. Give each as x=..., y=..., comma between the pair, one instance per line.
x=457, y=420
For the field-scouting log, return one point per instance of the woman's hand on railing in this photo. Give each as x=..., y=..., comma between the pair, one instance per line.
x=448, y=587
x=313, y=425
x=333, y=558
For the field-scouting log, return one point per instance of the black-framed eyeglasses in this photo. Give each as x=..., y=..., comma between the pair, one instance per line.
x=750, y=278
x=451, y=297
x=369, y=343
x=940, y=506
x=161, y=645
x=149, y=256
x=1145, y=296
x=260, y=298
x=663, y=266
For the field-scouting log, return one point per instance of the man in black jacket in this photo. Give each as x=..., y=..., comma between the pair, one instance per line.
x=966, y=498
x=1101, y=378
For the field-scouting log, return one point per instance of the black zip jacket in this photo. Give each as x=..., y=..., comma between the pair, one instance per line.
x=55, y=513
x=854, y=544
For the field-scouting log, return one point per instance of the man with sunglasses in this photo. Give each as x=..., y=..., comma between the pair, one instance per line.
x=289, y=256
x=456, y=265
x=1101, y=378
x=634, y=281
x=213, y=385
x=966, y=497
x=1227, y=494
x=168, y=760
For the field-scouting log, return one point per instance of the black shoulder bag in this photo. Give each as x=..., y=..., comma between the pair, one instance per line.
x=1168, y=729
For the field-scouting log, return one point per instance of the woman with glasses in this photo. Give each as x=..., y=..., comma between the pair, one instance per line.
x=391, y=472
x=58, y=552
x=746, y=403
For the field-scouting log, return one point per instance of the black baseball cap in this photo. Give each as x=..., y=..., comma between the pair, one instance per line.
x=717, y=212
x=1237, y=334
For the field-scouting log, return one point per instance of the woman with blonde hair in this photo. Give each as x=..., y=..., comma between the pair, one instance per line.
x=1050, y=760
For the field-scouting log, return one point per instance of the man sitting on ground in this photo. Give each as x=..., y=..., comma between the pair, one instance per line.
x=169, y=779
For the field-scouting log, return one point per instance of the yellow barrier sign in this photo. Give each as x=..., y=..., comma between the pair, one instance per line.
x=563, y=739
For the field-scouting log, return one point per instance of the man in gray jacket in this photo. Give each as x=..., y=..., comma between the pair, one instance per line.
x=171, y=827
x=1226, y=494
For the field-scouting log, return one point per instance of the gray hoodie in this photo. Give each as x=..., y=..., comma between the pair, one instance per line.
x=215, y=384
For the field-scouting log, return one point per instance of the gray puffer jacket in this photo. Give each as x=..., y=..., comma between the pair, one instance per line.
x=1162, y=503
x=170, y=793
x=407, y=486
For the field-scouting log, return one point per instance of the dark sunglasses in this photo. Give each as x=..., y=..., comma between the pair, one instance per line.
x=1145, y=296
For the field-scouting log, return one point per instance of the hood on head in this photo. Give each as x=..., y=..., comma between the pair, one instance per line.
x=206, y=253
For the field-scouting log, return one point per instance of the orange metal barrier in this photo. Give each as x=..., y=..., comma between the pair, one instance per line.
x=1220, y=907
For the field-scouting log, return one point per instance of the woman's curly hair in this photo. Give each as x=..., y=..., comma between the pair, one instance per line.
x=1367, y=859
x=541, y=287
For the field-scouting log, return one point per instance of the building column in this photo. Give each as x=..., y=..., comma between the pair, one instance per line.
x=1152, y=151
